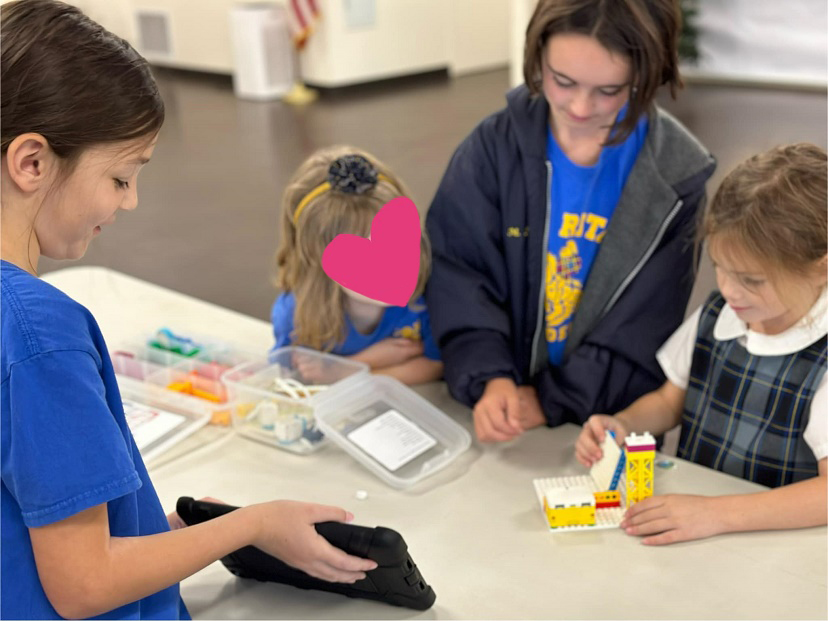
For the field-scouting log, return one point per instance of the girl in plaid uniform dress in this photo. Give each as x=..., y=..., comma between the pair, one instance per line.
x=746, y=372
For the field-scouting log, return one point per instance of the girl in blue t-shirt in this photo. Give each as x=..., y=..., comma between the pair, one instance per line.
x=340, y=190
x=746, y=372
x=83, y=532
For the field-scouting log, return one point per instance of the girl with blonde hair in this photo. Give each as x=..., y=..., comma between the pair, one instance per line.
x=340, y=190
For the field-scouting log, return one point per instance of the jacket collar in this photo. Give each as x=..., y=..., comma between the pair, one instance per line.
x=675, y=155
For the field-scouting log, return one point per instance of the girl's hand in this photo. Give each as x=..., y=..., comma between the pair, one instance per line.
x=497, y=414
x=312, y=369
x=175, y=520
x=672, y=518
x=390, y=352
x=588, y=446
x=286, y=530
x=531, y=412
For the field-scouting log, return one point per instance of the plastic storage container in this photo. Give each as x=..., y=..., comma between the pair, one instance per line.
x=393, y=431
x=193, y=375
x=274, y=397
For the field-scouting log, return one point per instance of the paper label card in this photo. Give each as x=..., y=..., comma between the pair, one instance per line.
x=392, y=439
x=149, y=424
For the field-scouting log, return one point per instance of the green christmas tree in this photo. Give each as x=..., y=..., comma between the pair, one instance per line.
x=688, y=48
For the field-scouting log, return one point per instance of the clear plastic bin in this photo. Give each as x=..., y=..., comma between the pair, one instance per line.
x=390, y=429
x=140, y=361
x=193, y=378
x=274, y=396
x=196, y=378
x=201, y=348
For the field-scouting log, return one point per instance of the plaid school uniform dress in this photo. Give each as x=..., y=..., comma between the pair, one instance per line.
x=746, y=414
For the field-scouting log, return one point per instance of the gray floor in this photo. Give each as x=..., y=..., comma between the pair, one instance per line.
x=209, y=200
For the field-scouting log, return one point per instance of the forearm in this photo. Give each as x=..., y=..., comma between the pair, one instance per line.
x=364, y=357
x=798, y=505
x=656, y=412
x=120, y=570
x=472, y=359
x=418, y=370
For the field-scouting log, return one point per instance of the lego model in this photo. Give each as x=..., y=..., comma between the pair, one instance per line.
x=585, y=502
x=640, y=454
x=573, y=514
x=564, y=500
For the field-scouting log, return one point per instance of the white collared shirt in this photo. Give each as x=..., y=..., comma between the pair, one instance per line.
x=676, y=356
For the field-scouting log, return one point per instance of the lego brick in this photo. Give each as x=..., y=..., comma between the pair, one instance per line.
x=607, y=470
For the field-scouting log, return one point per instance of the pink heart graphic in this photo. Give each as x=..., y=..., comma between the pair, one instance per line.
x=386, y=266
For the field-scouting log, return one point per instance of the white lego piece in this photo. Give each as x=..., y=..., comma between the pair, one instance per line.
x=295, y=389
x=569, y=496
x=643, y=441
x=603, y=470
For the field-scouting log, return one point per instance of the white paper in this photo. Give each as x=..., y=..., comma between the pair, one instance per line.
x=392, y=439
x=149, y=424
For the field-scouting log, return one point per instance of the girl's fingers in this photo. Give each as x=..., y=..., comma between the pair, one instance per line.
x=650, y=527
x=485, y=427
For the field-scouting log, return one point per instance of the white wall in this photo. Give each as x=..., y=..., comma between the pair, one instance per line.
x=741, y=40
x=406, y=36
x=478, y=35
x=200, y=28
x=520, y=11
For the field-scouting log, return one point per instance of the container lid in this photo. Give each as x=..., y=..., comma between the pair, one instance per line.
x=308, y=367
x=394, y=432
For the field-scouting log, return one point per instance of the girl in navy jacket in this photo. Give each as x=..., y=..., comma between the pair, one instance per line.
x=562, y=229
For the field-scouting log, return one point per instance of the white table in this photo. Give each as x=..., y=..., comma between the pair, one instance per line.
x=475, y=529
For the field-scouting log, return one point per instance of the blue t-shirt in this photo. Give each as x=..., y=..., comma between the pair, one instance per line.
x=397, y=321
x=66, y=446
x=583, y=199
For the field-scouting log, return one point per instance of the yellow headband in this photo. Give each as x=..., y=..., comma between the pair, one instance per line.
x=318, y=191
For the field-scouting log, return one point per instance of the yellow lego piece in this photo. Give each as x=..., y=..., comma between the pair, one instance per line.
x=640, y=455
x=569, y=507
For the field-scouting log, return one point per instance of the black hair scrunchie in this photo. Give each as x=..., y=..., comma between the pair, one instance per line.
x=352, y=174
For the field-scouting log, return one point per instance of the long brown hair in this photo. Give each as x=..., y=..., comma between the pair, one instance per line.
x=319, y=319
x=773, y=207
x=645, y=31
x=72, y=81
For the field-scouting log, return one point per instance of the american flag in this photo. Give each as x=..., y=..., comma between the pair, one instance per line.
x=302, y=15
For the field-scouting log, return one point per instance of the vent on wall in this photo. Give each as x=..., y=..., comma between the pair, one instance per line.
x=154, y=38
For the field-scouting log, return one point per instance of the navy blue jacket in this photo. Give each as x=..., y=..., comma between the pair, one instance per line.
x=488, y=225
